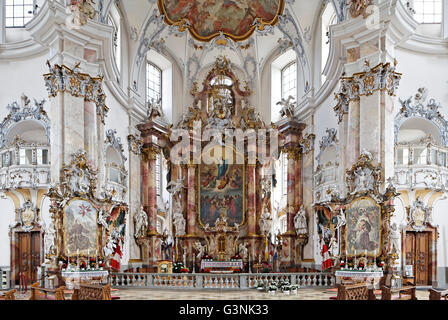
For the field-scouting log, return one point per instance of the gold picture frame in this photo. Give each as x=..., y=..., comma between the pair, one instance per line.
x=164, y=266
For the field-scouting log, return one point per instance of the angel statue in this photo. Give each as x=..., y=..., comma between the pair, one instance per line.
x=200, y=248
x=154, y=108
x=140, y=223
x=300, y=223
x=287, y=109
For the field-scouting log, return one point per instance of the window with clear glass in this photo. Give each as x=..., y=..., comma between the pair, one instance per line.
x=442, y=159
x=328, y=19
x=18, y=12
x=289, y=81
x=420, y=155
x=116, y=41
x=3, y=159
x=11, y=158
x=153, y=82
x=428, y=11
x=284, y=225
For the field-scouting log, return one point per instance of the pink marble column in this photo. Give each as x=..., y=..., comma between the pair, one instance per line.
x=291, y=193
x=251, y=200
x=191, y=201
x=151, y=192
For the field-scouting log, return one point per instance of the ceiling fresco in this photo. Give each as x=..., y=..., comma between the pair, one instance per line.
x=207, y=19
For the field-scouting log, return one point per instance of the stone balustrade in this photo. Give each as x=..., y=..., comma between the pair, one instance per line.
x=236, y=281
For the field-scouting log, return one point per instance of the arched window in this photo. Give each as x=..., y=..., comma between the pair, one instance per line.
x=328, y=18
x=18, y=12
x=289, y=81
x=428, y=11
x=114, y=20
x=153, y=82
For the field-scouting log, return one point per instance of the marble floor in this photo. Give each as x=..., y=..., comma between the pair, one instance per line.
x=152, y=294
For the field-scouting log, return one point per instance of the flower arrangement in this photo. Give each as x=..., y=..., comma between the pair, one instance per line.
x=178, y=267
x=266, y=268
x=260, y=285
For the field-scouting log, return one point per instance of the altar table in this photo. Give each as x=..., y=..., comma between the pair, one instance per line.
x=221, y=264
x=74, y=278
x=369, y=277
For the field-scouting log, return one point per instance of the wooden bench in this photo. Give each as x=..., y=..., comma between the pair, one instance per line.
x=435, y=294
x=92, y=292
x=42, y=293
x=355, y=292
x=404, y=293
x=9, y=295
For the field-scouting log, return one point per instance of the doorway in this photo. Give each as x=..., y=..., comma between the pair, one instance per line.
x=28, y=255
x=418, y=256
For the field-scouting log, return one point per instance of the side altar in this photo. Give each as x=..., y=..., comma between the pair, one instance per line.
x=88, y=227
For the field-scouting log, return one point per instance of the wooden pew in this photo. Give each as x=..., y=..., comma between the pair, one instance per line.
x=404, y=293
x=358, y=291
x=92, y=292
x=435, y=294
x=42, y=293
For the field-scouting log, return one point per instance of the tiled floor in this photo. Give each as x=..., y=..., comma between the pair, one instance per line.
x=152, y=294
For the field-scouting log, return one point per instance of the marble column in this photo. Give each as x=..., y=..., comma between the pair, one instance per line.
x=191, y=201
x=251, y=201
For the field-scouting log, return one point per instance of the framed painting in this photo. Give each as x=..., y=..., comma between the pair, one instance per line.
x=363, y=228
x=80, y=227
x=221, y=192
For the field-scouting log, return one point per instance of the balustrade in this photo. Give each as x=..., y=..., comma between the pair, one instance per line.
x=237, y=281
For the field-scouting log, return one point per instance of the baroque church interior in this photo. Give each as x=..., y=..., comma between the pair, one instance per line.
x=262, y=149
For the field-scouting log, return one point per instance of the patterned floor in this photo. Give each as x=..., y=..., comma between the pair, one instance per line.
x=151, y=294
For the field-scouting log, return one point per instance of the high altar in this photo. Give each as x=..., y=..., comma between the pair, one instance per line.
x=220, y=177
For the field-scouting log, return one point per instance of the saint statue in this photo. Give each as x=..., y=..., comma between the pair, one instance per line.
x=179, y=223
x=200, y=248
x=300, y=223
x=395, y=237
x=141, y=223
x=242, y=250
x=265, y=221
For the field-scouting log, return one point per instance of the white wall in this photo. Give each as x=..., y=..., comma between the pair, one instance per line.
x=7, y=216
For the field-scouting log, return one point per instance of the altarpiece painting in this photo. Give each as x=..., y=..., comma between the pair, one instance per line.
x=221, y=192
x=363, y=227
x=80, y=227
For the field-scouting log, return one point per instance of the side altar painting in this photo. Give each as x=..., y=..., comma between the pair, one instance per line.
x=80, y=227
x=221, y=193
x=363, y=227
